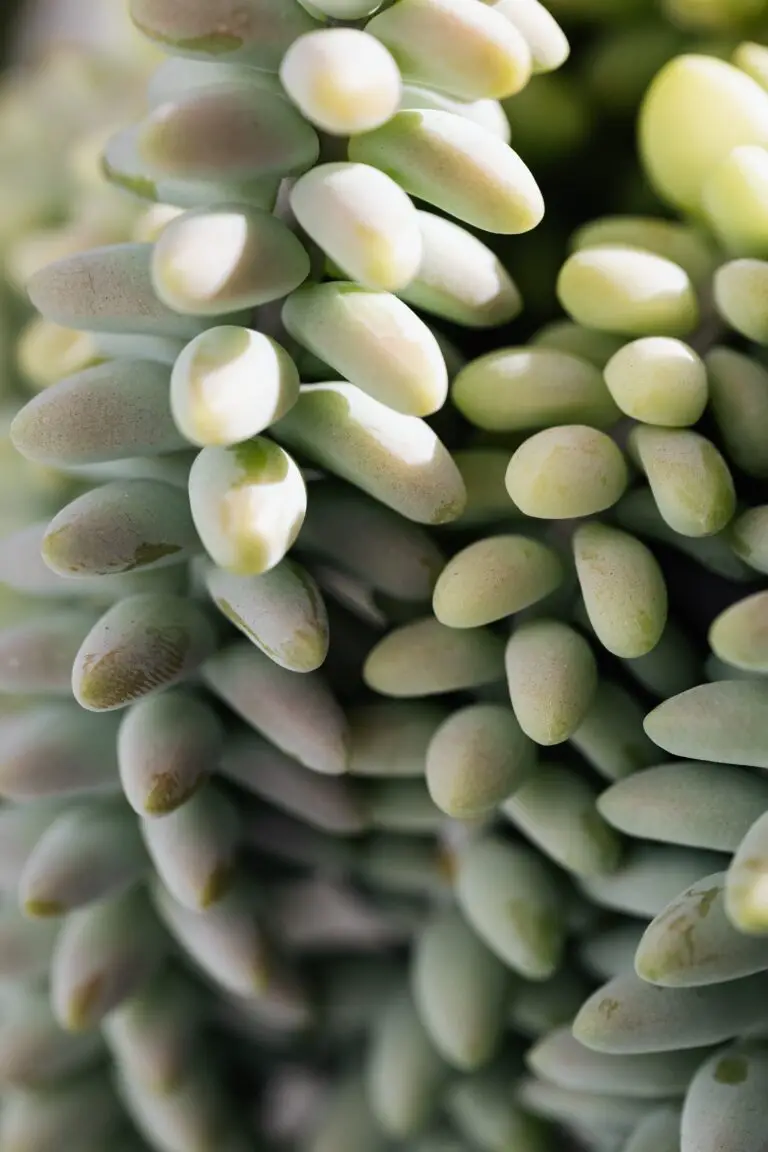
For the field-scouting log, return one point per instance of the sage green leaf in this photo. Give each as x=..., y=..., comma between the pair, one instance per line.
x=726, y=722
x=610, y=951
x=225, y=941
x=373, y=340
x=122, y=527
x=362, y=537
x=692, y=942
x=34, y=1051
x=623, y=589
x=112, y=411
x=89, y=853
x=476, y=759
x=494, y=578
x=248, y=503
x=194, y=848
x=562, y=1060
x=324, y=801
x=36, y=656
x=56, y=750
x=737, y=635
x=659, y=1132
x=166, y=747
x=538, y=1008
x=404, y=1072
x=695, y=804
x=690, y=480
x=556, y=809
x=724, y=1109
x=425, y=658
x=103, y=956
x=514, y=903
x=611, y=736
x=526, y=388
x=152, y=1036
x=552, y=679
x=107, y=290
x=460, y=989
x=391, y=737
x=282, y=612
x=629, y=1016
x=649, y=877
x=745, y=900
x=143, y=644
x=298, y=714
x=393, y=457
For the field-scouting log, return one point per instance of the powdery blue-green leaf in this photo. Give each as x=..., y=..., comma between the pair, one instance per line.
x=166, y=747
x=324, y=801
x=610, y=951
x=725, y=1109
x=611, y=736
x=121, y=527
x=343, y=80
x=393, y=457
x=400, y=805
x=226, y=133
x=460, y=989
x=700, y=805
x=649, y=877
x=514, y=903
x=194, y=848
x=369, y=541
x=485, y=1109
x=56, y=750
x=458, y=278
x=659, y=1132
x=36, y=656
x=552, y=679
x=566, y=472
x=391, y=737
x=34, y=1051
x=143, y=644
x=104, y=954
x=726, y=721
x=425, y=658
x=537, y=1008
x=224, y=941
x=25, y=945
x=152, y=1036
x=583, y=1112
x=446, y=45
x=89, y=853
x=364, y=223
x=629, y=1016
x=556, y=809
x=299, y=714
x=346, y=1123
x=213, y=261
x=282, y=612
x=404, y=1072
x=692, y=942
x=673, y=666
x=111, y=411
x=562, y=1060
x=476, y=759
x=107, y=290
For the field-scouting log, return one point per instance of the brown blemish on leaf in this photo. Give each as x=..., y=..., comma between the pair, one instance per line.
x=168, y=792
x=140, y=186
x=607, y=1007
x=43, y=909
x=219, y=43
x=84, y=1002
x=218, y=884
x=706, y=900
x=731, y=1070
x=114, y=679
x=150, y=553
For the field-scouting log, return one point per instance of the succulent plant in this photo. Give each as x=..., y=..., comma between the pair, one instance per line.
x=366, y=782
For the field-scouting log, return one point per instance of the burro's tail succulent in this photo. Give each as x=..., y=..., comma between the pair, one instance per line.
x=365, y=781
